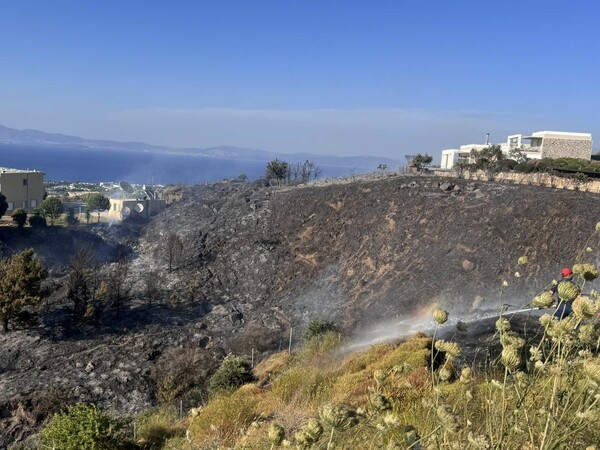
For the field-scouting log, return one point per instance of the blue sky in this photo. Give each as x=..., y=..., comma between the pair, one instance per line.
x=340, y=77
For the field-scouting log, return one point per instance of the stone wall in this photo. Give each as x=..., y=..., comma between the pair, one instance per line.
x=566, y=148
x=533, y=179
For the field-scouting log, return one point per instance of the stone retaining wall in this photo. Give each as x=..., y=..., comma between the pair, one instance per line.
x=532, y=179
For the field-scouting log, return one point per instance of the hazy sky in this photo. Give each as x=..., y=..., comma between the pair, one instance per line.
x=342, y=77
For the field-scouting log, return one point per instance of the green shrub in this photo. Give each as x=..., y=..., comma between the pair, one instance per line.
x=84, y=426
x=231, y=374
x=318, y=328
x=37, y=221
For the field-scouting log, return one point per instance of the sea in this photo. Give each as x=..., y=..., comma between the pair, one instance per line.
x=91, y=165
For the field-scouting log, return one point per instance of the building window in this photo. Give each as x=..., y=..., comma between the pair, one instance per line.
x=114, y=206
x=11, y=206
x=24, y=204
x=34, y=203
x=25, y=182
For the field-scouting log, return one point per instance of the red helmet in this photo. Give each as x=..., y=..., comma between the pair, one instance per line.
x=566, y=272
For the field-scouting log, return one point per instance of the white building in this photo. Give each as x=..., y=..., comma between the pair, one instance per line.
x=542, y=144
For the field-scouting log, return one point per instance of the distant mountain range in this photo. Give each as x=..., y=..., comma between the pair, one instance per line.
x=39, y=138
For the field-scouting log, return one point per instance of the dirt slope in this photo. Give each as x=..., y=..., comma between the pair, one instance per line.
x=369, y=250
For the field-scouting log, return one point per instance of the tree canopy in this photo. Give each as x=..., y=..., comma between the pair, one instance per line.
x=421, y=161
x=97, y=203
x=51, y=208
x=21, y=276
x=277, y=170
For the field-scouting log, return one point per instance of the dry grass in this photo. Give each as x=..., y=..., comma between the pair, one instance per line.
x=479, y=414
x=225, y=418
x=274, y=365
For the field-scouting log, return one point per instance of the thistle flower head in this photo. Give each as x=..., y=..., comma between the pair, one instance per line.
x=544, y=300
x=510, y=339
x=276, y=434
x=568, y=291
x=539, y=365
x=589, y=249
x=598, y=226
x=583, y=307
x=591, y=368
x=588, y=334
x=504, y=283
x=309, y=433
x=451, y=349
x=379, y=376
x=466, y=375
x=440, y=315
x=535, y=354
x=445, y=373
x=547, y=321
x=588, y=272
x=502, y=325
x=510, y=358
x=563, y=330
x=338, y=416
x=523, y=260
x=517, y=275
x=447, y=418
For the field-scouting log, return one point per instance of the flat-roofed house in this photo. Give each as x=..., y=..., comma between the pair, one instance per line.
x=22, y=188
x=560, y=144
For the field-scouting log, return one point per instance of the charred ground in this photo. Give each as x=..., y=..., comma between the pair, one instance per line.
x=257, y=261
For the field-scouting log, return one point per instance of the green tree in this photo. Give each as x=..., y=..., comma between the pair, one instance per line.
x=277, y=170
x=488, y=160
x=3, y=204
x=84, y=426
x=97, y=203
x=19, y=216
x=518, y=155
x=20, y=284
x=51, y=209
x=422, y=161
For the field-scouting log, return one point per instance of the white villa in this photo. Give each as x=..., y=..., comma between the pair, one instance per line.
x=542, y=144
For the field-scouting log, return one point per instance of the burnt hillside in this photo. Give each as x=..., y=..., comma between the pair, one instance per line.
x=373, y=249
x=257, y=261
